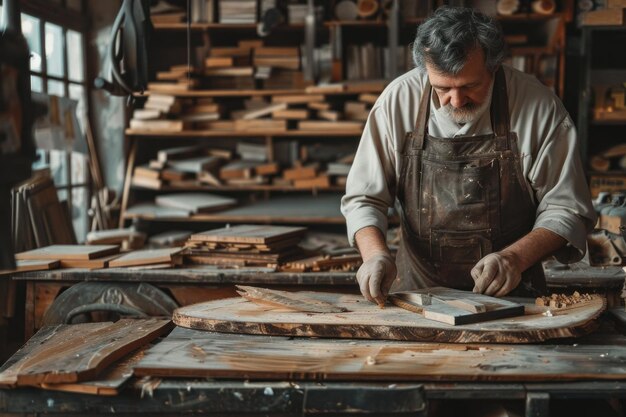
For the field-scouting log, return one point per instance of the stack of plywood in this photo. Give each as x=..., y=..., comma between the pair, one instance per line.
x=180, y=166
x=73, y=256
x=245, y=245
x=95, y=257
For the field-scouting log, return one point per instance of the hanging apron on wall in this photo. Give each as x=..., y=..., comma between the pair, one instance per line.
x=461, y=198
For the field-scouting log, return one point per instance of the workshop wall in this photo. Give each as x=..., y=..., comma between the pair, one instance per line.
x=107, y=112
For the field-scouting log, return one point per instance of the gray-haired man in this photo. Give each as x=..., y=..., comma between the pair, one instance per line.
x=485, y=172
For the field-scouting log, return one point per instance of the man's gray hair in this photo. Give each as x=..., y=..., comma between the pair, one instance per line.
x=445, y=38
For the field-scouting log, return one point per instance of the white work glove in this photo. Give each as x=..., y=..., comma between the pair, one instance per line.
x=375, y=277
x=496, y=274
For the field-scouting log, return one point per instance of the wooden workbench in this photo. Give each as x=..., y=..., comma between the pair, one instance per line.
x=193, y=285
x=594, y=366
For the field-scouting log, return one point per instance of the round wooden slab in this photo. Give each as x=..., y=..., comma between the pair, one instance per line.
x=365, y=320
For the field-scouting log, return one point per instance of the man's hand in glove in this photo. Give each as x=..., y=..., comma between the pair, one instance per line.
x=375, y=277
x=497, y=274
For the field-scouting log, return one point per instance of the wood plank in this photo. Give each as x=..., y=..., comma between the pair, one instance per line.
x=71, y=353
x=67, y=252
x=196, y=354
x=365, y=320
x=285, y=299
x=145, y=257
x=247, y=233
x=32, y=265
x=109, y=383
x=297, y=98
x=97, y=263
x=195, y=202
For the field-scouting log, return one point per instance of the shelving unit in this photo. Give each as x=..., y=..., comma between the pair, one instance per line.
x=546, y=39
x=601, y=69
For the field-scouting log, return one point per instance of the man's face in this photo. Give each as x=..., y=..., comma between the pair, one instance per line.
x=464, y=96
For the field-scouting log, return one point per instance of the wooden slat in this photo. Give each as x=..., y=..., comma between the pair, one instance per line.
x=109, y=383
x=367, y=321
x=188, y=353
x=245, y=233
x=145, y=257
x=67, y=252
x=72, y=353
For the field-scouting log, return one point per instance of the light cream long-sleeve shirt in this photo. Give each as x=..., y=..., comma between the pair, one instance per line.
x=547, y=144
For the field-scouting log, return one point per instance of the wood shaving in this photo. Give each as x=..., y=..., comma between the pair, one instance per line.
x=562, y=300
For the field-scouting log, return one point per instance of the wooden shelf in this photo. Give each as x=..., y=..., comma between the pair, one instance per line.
x=250, y=93
x=222, y=218
x=222, y=134
x=230, y=188
x=320, y=209
x=182, y=26
x=219, y=26
x=608, y=122
x=529, y=16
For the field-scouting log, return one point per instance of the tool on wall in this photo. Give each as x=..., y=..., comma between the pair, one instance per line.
x=128, y=50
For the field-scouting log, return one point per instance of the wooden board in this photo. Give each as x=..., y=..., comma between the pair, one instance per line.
x=248, y=233
x=456, y=307
x=109, y=383
x=189, y=353
x=195, y=202
x=365, y=320
x=97, y=263
x=145, y=257
x=71, y=353
x=31, y=265
x=61, y=252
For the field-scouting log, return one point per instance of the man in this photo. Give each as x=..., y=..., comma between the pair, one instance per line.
x=481, y=162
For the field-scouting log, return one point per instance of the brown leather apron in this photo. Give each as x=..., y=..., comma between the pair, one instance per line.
x=460, y=199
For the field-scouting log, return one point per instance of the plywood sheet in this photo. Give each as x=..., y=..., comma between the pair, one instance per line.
x=76, y=252
x=189, y=353
x=246, y=233
x=365, y=320
x=145, y=257
x=27, y=265
x=195, y=202
x=72, y=353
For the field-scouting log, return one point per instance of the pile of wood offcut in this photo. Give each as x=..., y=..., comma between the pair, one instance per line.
x=263, y=245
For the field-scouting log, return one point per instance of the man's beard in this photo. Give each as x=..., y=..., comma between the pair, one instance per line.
x=469, y=112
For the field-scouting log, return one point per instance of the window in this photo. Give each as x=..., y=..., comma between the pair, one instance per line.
x=57, y=67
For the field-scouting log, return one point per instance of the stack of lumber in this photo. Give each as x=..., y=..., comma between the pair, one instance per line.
x=95, y=257
x=317, y=109
x=127, y=238
x=89, y=358
x=245, y=245
x=180, y=166
x=237, y=11
x=318, y=263
x=253, y=167
x=168, y=113
x=73, y=256
x=249, y=165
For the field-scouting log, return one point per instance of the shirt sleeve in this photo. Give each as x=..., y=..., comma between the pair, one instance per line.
x=560, y=186
x=370, y=187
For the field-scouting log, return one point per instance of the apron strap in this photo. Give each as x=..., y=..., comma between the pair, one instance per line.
x=500, y=106
x=415, y=139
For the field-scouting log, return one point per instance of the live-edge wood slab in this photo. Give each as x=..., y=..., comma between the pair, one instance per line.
x=79, y=352
x=365, y=320
x=198, y=354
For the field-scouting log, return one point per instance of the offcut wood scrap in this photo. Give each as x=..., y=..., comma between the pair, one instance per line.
x=290, y=300
x=562, y=300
